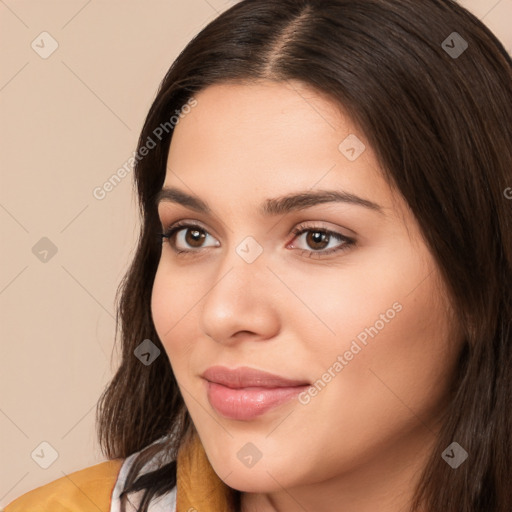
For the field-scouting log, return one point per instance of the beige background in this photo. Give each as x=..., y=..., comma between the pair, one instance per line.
x=68, y=122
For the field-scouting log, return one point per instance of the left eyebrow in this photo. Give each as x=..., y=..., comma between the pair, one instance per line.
x=275, y=206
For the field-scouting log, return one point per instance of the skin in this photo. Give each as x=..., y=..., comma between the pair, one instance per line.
x=364, y=438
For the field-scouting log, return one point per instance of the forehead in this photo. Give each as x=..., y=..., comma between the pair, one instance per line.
x=264, y=110
x=269, y=139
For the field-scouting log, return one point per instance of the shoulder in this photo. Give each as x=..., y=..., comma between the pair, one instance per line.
x=87, y=490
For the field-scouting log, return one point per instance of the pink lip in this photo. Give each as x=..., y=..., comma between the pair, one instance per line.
x=245, y=393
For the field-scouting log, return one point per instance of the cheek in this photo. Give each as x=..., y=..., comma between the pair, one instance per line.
x=361, y=303
x=394, y=348
x=162, y=304
x=401, y=372
x=418, y=354
x=170, y=312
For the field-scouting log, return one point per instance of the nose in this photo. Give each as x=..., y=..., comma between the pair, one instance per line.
x=242, y=302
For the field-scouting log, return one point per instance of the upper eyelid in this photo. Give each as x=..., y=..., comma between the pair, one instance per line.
x=164, y=207
x=299, y=229
x=184, y=224
x=345, y=242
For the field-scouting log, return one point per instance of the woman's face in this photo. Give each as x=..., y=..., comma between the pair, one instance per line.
x=360, y=315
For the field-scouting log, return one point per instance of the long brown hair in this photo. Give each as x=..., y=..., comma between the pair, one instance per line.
x=439, y=116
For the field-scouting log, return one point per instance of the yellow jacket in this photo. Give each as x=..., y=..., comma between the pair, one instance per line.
x=87, y=490
x=90, y=490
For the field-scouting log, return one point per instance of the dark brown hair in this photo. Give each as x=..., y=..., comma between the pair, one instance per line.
x=441, y=126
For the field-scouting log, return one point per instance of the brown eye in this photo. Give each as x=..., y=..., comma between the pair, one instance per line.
x=194, y=237
x=184, y=237
x=317, y=241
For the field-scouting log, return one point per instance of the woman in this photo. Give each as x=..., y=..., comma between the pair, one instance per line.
x=318, y=313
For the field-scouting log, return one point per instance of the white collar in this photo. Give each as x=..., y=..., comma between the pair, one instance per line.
x=164, y=503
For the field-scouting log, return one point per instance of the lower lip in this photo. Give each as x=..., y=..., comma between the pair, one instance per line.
x=248, y=403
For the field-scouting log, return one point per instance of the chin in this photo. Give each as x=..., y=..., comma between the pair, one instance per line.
x=249, y=481
x=266, y=475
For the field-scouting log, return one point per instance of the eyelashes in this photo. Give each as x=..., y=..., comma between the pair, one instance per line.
x=171, y=233
x=345, y=242
x=319, y=234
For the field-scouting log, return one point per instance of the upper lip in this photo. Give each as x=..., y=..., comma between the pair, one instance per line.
x=244, y=377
